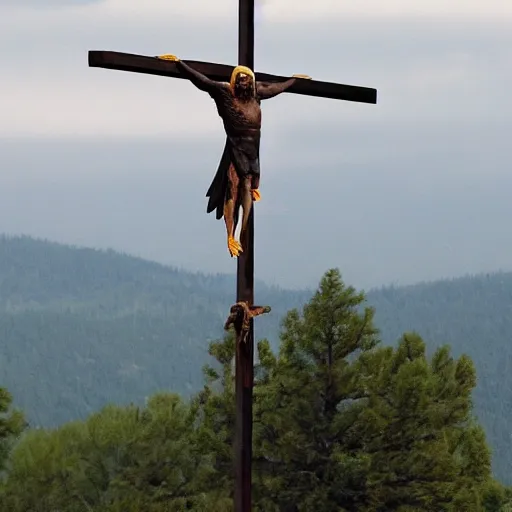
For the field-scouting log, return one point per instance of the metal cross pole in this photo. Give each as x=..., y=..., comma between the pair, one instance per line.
x=245, y=264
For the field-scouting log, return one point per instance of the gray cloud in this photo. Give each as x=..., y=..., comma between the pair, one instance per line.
x=46, y=4
x=426, y=71
x=413, y=188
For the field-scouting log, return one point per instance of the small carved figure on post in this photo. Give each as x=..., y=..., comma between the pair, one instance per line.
x=236, y=183
x=240, y=316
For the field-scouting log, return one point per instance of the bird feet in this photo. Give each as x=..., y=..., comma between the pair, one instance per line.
x=168, y=56
x=256, y=196
x=240, y=315
x=234, y=247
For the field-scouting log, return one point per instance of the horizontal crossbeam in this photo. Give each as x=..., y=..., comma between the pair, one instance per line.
x=222, y=72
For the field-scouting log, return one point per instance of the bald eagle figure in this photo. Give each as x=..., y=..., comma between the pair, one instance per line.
x=236, y=183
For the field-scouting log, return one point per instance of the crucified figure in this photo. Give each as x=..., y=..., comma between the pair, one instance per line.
x=240, y=316
x=236, y=182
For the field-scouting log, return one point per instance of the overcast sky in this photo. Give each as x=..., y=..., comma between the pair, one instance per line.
x=417, y=187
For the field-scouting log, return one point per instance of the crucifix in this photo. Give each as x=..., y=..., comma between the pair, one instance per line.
x=239, y=173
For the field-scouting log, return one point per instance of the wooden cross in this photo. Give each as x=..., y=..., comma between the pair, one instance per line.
x=245, y=263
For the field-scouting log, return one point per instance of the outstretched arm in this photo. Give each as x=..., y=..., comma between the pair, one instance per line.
x=267, y=90
x=198, y=79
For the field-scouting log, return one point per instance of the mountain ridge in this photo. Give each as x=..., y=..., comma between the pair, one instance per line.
x=83, y=327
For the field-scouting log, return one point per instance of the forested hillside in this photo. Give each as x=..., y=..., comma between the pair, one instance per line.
x=80, y=328
x=368, y=428
x=474, y=316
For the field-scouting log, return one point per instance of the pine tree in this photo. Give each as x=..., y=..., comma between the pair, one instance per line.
x=305, y=404
x=122, y=458
x=426, y=452
x=344, y=424
x=340, y=424
x=215, y=407
x=12, y=424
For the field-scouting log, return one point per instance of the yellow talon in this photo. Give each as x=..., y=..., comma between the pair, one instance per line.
x=256, y=196
x=305, y=77
x=234, y=247
x=168, y=56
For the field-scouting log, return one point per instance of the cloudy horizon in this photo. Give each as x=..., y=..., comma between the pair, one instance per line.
x=413, y=188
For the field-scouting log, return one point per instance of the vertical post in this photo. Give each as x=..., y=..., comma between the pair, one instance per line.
x=244, y=369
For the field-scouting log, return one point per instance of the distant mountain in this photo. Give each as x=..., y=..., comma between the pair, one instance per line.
x=81, y=327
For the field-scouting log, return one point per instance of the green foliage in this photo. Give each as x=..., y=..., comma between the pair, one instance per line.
x=425, y=452
x=119, y=459
x=346, y=425
x=341, y=424
x=298, y=423
x=12, y=424
x=83, y=328
x=472, y=315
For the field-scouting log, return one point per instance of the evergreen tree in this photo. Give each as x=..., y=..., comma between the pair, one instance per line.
x=12, y=424
x=341, y=424
x=216, y=411
x=123, y=459
x=300, y=461
x=425, y=451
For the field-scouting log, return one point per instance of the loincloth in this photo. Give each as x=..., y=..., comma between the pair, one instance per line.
x=245, y=154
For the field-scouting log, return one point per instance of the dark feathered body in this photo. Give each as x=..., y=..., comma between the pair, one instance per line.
x=224, y=186
x=238, y=174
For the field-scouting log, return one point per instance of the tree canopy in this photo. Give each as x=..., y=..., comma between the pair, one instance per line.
x=81, y=328
x=341, y=423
